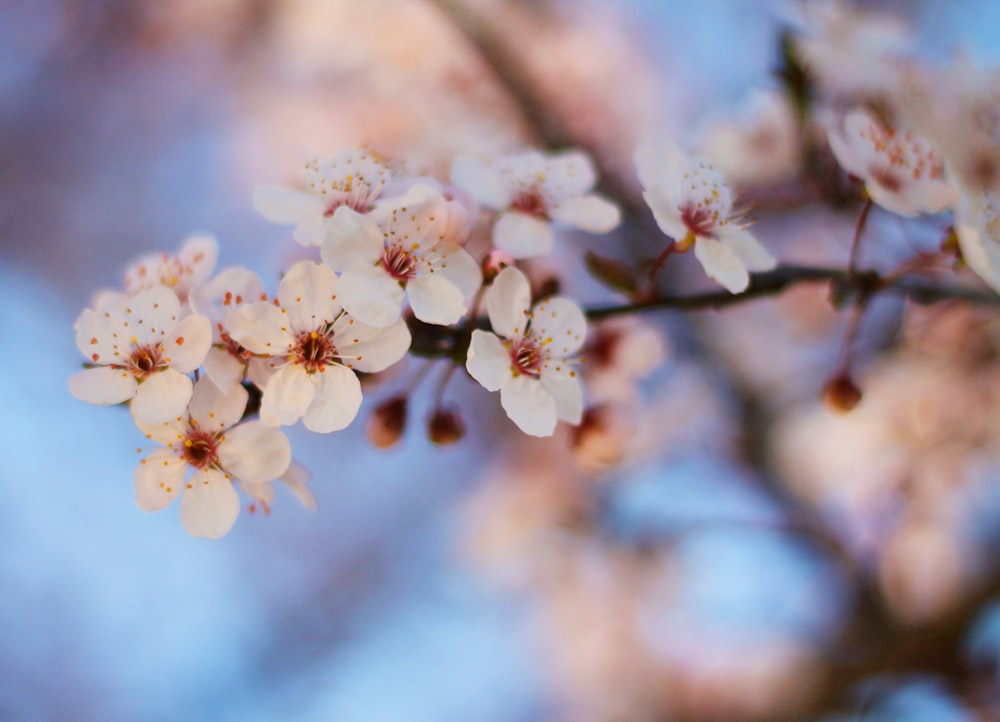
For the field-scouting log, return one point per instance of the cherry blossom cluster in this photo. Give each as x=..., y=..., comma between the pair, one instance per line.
x=213, y=364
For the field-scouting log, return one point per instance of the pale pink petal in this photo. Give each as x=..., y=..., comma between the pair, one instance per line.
x=508, y=301
x=979, y=237
x=162, y=396
x=371, y=295
x=521, y=235
x=297, y=478
x=894, y=198
x=659, y=162
x=102, y=386
x=94, y=337
x=564, y=385
x=285, y=205
x=458, y=266
x=169, y=433
x=223, y=368
x=481, y=181
x=287, y=395
x=232, y=286
x=529, y=405
x=262, y=493
x=337, y=401
x=852, y=153
x=210, y=506
x=588, y=213
x=260, y=371
x=748, y=250
x=351, y=240
x=568, y=174
x=311, y=230
x=721, y=264
x=188, y=343
x=151, y=314
x=420, y=217
x=559, y=325
x=255, y=453
x=308, y=293
x=932, y=196
x=261, y=328
x=369, y=349
x=216, y=408
x=488, y=361
x=666, y=212
x=159, y=478
x=435, y=299
x=198, y=256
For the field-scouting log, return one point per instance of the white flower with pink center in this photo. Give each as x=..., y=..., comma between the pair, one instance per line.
x=227, y=362
x=977, y=225
x=399, y=253
x=208, y=440
x=693, y=205
x=529, y=357
x=141, y=350
x=901, y=171
x=530, y=191
x=314, y=349
x=352, y=179
x=192, y=265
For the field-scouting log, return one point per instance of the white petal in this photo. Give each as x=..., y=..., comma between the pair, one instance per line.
x=568, y=174
x=162, y=396
x=658, y=161
x=351, y=239
x=285, y=205
x=188, y=343
x=369, y=349
x=262, y=493
x=565, y=387
x=255, y=453
x=748, y=250
x=260, y=371
x=980, y=249
x=151, y=313
x=435, y=299
x=529, y=405
x=215, y=408
x=297, y=478
x=232, y=286
x=308, y=293
x=508, y=301
x=481, y=181
x=287, y=396
x=223, y=368
x=311, y=230
x=371, y=295
x=559, y=325
x=721, y=264
x=521, y=235
x=103, y=385
x=488, y=361
x=198, y=256
x=458, y=266
x=210, y=507
x=94, y=337
x=261, y=328
x=337, y=401
x=159, y=478
x=848, y=148
x=666, y=212
x=589, y=213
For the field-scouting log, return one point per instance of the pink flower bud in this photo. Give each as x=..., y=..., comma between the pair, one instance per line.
x=387, y=422
x=495, y=261
x=445, y=427
x=841, y=393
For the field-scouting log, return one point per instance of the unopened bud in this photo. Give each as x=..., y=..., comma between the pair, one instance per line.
x=599, y=441
x=387, y=422
x=841, y=393
x=445, y=427
x=495, y=261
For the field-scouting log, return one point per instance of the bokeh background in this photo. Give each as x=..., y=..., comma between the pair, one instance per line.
x=491, y=580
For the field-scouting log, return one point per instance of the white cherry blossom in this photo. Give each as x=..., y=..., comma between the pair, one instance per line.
x=314, y=348
x=901, y=171
x=693, y=205
x=530, y=191
x=977, y=225
x=352, y=178
x=208, y=439
x=141, y=349
x=192, y=265
x=227, y=362
x=620, y=352
x=529, y=357
x=398, y=252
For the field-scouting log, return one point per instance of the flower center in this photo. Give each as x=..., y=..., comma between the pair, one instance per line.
x=531, y=203
x=145, y=360
x=399, y=264
x=526, y=357
x=699, y=219
x=313, y=350
x=200, y=448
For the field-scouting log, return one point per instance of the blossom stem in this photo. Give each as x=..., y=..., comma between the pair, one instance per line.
x=852, y=263
x=658, y=263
